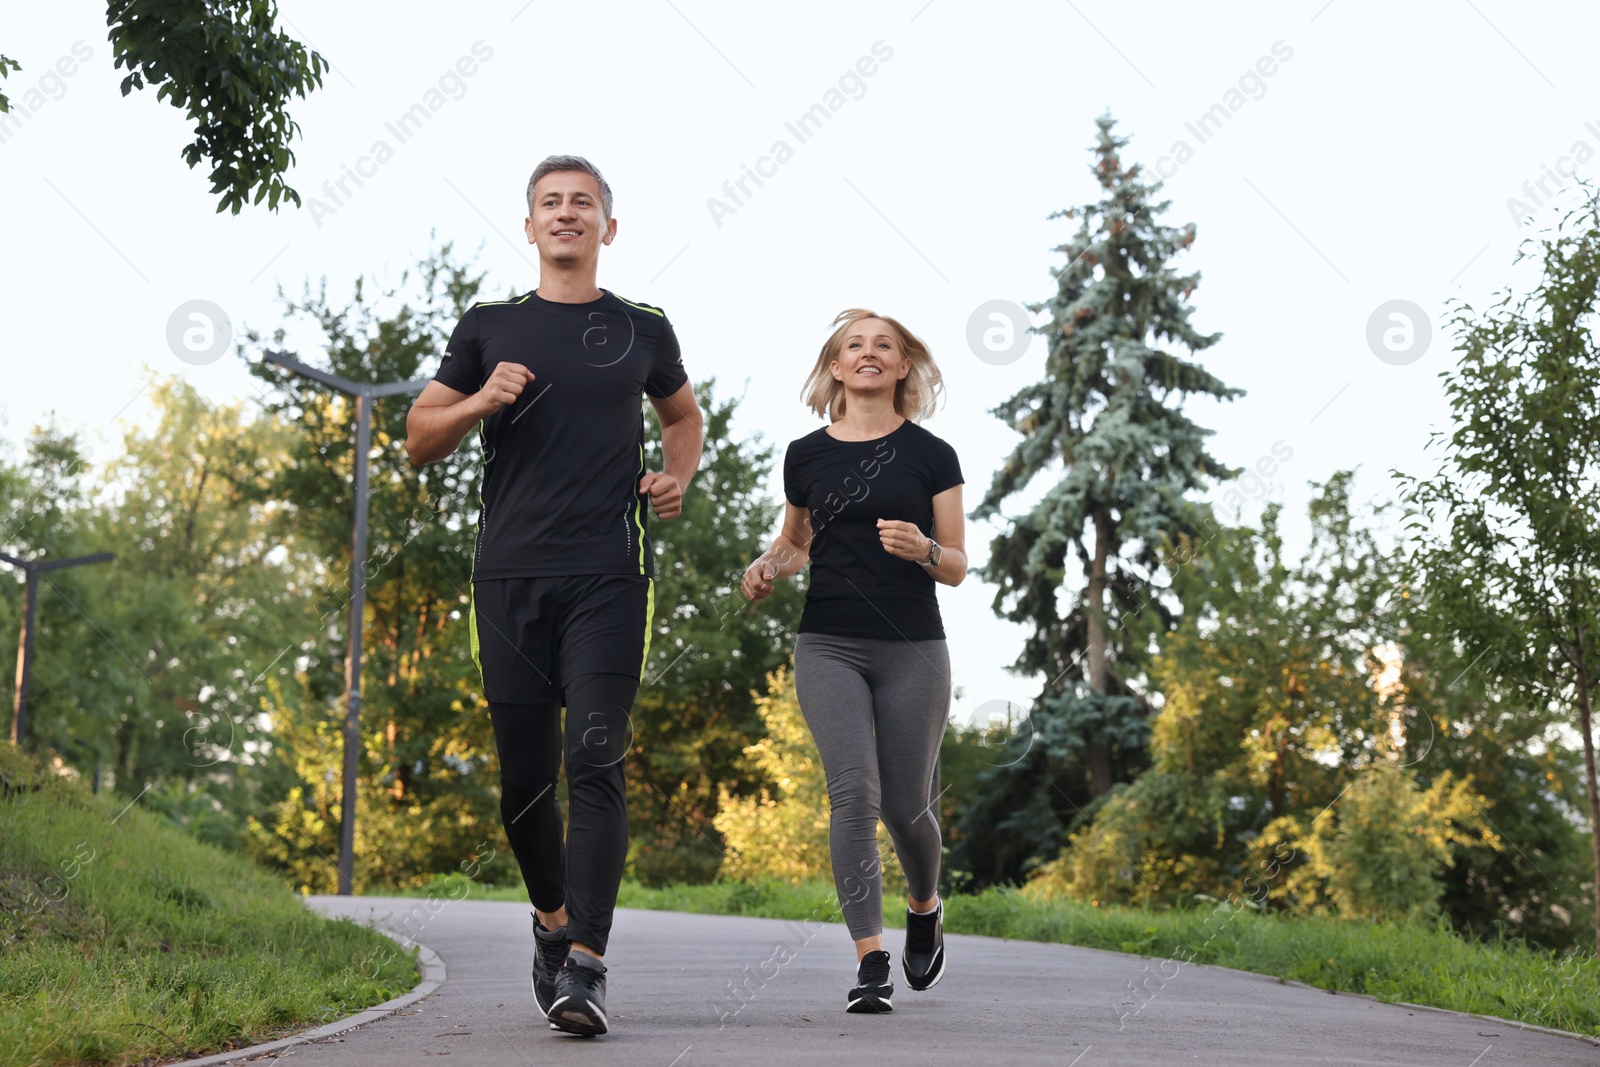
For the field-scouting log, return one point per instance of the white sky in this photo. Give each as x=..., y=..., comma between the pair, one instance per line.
x=1374, y=164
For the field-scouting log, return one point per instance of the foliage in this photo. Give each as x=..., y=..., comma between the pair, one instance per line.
x=1268, y=690
x=427, y=799
x=147, y=668
x=710, y=654
x=1293, y=688
x=1106, y=422
x=1507, y=533
x=123, y=940
x=1377, y=854
x=1516, y=749
x=1346, y=732
x=233, y=73
x=7, y=66
x=782, y=831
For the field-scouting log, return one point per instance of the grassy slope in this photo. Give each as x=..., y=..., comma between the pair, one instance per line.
x=1391, y=961
x=123, y=939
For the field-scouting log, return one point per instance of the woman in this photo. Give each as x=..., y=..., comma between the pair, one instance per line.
x=866, y=495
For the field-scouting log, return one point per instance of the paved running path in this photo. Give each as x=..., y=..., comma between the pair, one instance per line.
x=1001, y=1002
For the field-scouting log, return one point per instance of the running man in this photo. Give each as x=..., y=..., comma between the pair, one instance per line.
x=562, y=591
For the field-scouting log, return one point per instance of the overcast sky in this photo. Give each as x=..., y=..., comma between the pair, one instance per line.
x=1356, y=154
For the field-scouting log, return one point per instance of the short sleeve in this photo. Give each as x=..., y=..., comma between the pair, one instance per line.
x=794, y=490
x=667, y=375
x=946, y=469
x=462, y=366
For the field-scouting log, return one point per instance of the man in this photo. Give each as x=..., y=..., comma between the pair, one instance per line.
x=562, y=593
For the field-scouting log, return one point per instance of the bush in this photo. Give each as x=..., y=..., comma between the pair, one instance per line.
x=782, y=832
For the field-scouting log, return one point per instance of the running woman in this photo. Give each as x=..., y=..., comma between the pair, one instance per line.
x=866, y=496
x=562, y=591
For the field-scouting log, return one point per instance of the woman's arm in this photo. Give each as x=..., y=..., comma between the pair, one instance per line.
x=790, y=551
x=903, y=539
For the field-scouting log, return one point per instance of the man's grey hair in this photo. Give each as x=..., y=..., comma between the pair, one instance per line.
x=552, y=164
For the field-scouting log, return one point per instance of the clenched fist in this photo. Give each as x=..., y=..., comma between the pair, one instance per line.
x=503, y=386
x=666, y=495
x=758, y=579
x=903, y=539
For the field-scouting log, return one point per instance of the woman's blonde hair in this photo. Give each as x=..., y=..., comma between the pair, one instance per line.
x=916, y=396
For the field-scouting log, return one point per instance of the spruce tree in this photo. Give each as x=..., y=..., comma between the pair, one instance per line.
x=1105, y=426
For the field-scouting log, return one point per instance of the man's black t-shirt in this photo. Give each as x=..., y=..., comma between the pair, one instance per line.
x=857, y=588
x=561, y=466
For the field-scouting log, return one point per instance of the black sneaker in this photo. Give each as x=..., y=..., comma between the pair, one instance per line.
x=549, y=956
x=923, y=961
x=580, y=1004
x=873, y=987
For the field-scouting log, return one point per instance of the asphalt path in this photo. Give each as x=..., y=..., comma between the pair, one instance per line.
x=698, y=989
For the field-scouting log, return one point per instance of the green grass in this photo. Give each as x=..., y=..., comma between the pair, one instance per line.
x=123, y=940
x=1391, y=961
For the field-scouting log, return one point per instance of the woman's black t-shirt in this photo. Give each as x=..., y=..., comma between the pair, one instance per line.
x=858, y=589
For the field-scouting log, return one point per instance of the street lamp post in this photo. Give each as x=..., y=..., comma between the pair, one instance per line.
x=31, y=570
x=364, y=393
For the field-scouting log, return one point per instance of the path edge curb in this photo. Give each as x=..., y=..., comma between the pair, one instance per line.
x=1531, y=1027
x=431, y=975
x=1586, y=1039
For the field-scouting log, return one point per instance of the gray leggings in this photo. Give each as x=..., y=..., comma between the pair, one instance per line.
x=877, y=710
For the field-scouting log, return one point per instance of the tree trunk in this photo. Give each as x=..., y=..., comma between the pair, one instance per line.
x=124, y=764
x=1275, y=787
x=1099, y=751
x=1586, y=724
x=199, y=497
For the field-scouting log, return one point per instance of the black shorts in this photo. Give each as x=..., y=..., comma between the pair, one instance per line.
x=528, y=634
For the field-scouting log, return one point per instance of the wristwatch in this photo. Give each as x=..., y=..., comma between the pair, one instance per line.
x=934, y=552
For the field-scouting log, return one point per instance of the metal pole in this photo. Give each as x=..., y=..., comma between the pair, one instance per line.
x=30, y=611
x=364, y=393
x=352, y=663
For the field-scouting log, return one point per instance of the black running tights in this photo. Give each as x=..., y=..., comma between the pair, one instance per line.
x=585, y=871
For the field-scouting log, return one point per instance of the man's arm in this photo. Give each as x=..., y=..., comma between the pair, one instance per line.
x=442, y=416
x=682, y=439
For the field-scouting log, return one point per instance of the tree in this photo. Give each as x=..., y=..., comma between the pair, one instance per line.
x=782, y=830
x=151, y=666
x=233, y=73
x=428, y=794
x=195, y=599
x=224, y=64
x=1265, y=690
x=1296, y=735
x=1517, y=748
x=710, y=654
x=1507, y=532
x=1108, y=412
x=7, y=66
